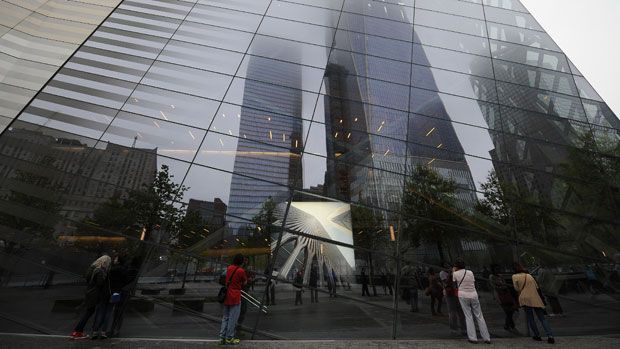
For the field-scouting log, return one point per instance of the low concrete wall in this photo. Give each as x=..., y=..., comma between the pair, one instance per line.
x=25, y=341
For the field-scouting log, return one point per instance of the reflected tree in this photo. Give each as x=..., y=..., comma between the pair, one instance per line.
x=596, y=166
x=529, y=215
x=592, y=173
x=264, y=228
x=369, y=234
x=153, y=207
x=428, y=210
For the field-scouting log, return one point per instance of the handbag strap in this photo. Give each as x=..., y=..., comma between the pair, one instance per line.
x=463, y=279
x=231, y=276
x=524, y=283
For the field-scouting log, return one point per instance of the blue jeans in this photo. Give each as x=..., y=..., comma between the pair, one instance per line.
x=540, y=314
x=229, y=321
x=102, y=314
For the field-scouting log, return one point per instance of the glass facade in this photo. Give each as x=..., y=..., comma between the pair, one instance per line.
x=36, y=39
x=357, y=143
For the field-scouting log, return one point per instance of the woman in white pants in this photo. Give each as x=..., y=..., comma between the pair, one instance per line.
x=468, y=297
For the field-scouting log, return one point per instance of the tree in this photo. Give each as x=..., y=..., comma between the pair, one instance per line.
x=428, y=209
x=264, y=228
x=368, y=233
x=593, y=172
x=511, y=205
x=153, y=207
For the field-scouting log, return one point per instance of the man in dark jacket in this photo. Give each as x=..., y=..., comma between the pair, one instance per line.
x=122, y=281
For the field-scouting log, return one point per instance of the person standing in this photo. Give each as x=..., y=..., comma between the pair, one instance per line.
x=435, y=290
x=530, y=300
x=456, y=317
x=313, y=284
x=270, y=296
x=298, y=283
x=384, y=282
x=235, y=281
x=468, y=297
x=129, y=275
x=550, y=288
x=504, y=297
x=364, y=280
x=96, y=291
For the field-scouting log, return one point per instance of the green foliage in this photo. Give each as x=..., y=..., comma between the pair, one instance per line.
x=368, y=228
x=151, y=207
x=511, y=205
x=428, y=209
x=594, y=176
x=263, y=225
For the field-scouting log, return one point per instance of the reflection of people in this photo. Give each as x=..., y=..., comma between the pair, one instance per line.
x=127, y=278
x=530, y=300
x=364, y=280
x=235, y=281
x=456, y=317
x=298, y=283
x=468, y=297
x=96, y=292
x=549, y=287
x=410, y=285
x=504, y=297
x=435, y=290
x=270, y=296
x=313, y=284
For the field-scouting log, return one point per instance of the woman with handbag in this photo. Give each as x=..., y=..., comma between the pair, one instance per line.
x=468, y=297
x=532, y=302
x=234, y=282
x=504, y=297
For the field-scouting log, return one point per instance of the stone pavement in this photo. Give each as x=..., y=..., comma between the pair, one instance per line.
x=27, y=341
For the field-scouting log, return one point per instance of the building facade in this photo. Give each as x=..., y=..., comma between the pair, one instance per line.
x=354, y=143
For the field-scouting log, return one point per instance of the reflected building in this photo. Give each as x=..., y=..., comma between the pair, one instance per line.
x=295, y=121
x=76, y=177
x=272, y=115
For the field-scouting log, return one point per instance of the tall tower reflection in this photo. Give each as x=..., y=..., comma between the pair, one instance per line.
x=272, y=114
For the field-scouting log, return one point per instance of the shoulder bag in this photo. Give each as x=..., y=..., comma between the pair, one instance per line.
x=221, y=296
x=456, y=291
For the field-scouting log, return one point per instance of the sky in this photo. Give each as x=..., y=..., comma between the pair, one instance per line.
x=588, y=31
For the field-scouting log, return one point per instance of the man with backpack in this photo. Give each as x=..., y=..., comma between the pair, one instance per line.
x=235, y=281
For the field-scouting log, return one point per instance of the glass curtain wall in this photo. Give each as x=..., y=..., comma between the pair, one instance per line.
x=36, y=39
x=350, y=149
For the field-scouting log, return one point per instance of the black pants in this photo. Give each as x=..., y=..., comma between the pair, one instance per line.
x=119, y=313
x=413, y=299
x=314, y=295
x=509, y=323
x=436, y=298
x=365, y=291
x=298, y=297
x=554, y=302
x=270, y=297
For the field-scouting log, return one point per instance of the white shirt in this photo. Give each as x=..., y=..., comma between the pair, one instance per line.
x=467, y=288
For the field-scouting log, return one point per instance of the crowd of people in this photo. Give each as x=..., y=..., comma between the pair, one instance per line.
x=111, y=281
x=457, y=286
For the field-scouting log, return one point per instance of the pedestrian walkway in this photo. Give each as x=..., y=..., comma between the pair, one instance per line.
x=27, y=341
